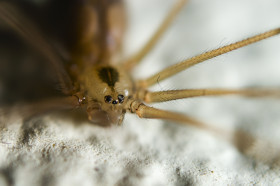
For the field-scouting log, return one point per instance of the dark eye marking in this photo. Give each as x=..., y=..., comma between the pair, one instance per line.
x=120, y=98
x=108, y=75
x=108, y=99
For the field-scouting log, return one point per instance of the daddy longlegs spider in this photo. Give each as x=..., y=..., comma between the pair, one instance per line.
x=100, y=112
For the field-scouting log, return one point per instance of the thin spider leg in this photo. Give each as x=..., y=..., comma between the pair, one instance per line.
x=13, y=18
x=241, y=139
x=41, y=107
x=174, y=69
x=144, y=111
x=162, y=96
x=133, y=60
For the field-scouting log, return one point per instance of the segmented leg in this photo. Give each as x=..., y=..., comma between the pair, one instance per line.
x=144, y=111
x=133, y=60
x=12, y=17
x=242, y=140
x=162, y=96
x=174, y=69
x=41, y=107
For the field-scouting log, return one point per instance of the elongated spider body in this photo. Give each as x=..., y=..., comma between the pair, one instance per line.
x=90, y=74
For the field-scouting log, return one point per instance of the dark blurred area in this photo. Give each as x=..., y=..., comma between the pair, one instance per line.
x=25, y=74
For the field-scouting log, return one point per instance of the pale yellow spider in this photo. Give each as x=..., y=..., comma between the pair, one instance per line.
x=91, y=81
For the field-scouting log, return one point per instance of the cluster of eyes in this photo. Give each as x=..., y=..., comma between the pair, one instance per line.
x=109, y=99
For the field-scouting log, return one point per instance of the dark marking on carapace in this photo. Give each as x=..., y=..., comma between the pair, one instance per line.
x=108, y=75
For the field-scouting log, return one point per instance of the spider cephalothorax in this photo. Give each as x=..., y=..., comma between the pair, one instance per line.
x=106, y=89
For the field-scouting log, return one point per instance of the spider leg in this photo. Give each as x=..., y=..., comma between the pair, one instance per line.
x=144, y=111
x=11, y=16
x=133, y=60
x=174, y=69
x=242, y=140
x=28, y=110
x=162, y=96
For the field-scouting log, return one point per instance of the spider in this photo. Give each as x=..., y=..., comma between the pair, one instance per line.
x=174, y=153
x=96, y=81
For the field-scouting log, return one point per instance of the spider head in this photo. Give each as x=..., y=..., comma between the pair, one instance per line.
x=108, y=112
x=107, y=91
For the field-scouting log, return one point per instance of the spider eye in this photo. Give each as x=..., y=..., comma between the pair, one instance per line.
x=120, y=98
x=108, y=99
